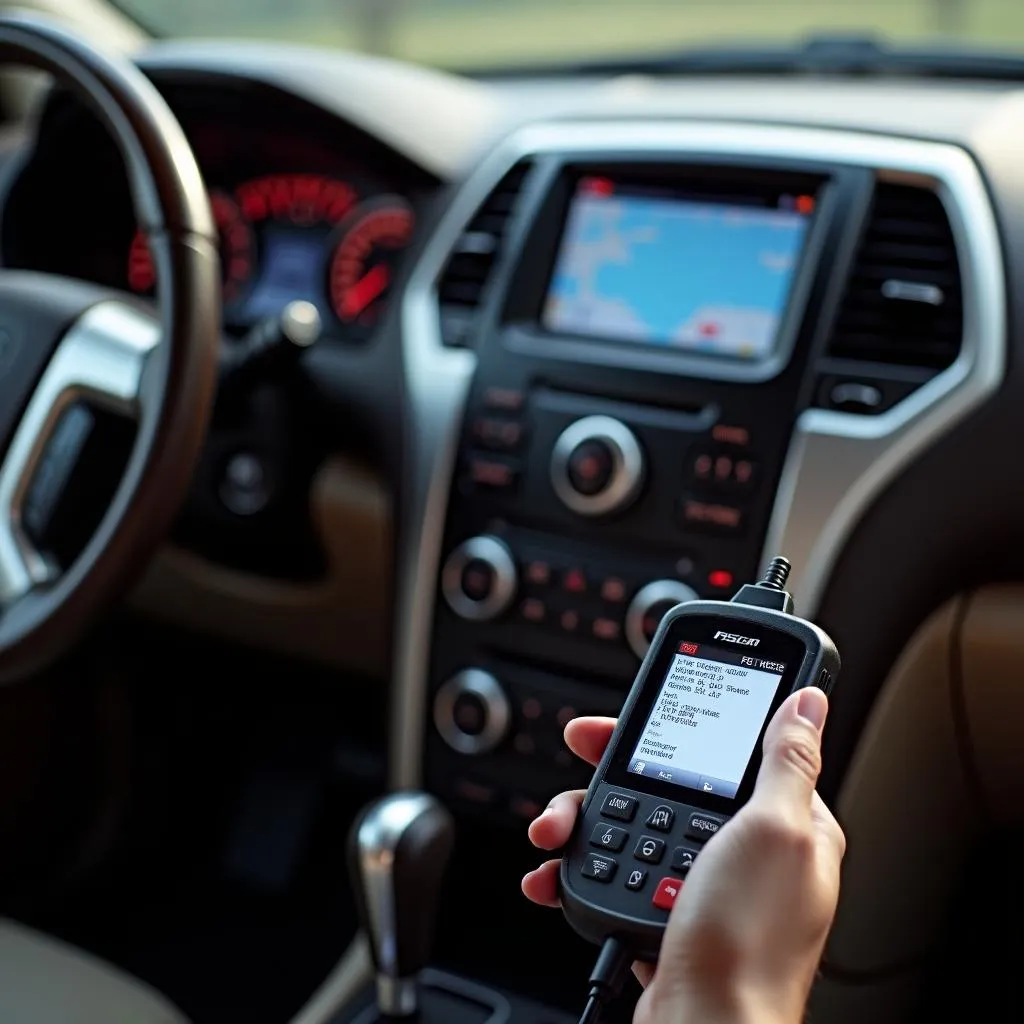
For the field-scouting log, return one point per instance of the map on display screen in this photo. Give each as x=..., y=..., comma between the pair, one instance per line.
x=665, y=271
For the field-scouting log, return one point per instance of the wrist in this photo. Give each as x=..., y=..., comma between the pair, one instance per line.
x=730, y=1003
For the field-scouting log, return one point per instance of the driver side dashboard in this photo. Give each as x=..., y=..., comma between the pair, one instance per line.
x=308, y=208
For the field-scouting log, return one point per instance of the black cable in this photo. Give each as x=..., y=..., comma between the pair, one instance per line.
x=606, y=979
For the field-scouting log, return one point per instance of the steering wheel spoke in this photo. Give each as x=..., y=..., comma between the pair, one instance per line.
x=100, y=361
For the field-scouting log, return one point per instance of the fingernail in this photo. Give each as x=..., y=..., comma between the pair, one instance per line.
x=812, y=706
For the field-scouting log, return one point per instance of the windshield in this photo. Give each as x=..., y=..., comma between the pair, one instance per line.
x=481, y=34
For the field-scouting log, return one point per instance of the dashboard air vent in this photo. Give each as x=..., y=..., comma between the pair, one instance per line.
x=462, y=285
x=902, y=305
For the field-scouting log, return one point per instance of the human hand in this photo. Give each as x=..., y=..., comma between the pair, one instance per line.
x=745, y=937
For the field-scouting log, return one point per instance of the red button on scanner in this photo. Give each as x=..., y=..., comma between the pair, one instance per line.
x=665, y=895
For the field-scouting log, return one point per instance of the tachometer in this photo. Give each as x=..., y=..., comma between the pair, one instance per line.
x=237, y=251
x=363, y=265
x=301, y=200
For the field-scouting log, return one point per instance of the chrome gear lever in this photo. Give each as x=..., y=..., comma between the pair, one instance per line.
x=398, y=851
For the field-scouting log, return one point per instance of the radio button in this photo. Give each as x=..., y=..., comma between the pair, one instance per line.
x=479, y=579
x=648, y=608
x=590, y=466
x=597, y=466
x=710, y=516
x=619, y=806
x=471, y=712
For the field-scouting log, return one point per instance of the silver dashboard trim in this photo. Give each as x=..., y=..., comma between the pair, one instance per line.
x=837, y=462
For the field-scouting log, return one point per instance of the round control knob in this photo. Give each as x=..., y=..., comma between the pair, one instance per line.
x=471, y=712
x=479, y=579
x=597, y=466
x=648, y=608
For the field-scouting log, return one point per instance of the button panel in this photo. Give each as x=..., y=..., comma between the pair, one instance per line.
x=637, y=848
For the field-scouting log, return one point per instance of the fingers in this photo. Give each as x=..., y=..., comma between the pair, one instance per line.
x=541, y=884
x=553, y=828
x=587, y=737
x=792, y=754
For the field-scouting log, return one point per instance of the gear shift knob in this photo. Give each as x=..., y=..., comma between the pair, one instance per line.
x=398, y=851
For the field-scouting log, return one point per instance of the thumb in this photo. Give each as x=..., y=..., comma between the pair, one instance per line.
x=792, y=754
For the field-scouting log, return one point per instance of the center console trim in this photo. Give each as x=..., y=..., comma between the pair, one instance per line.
x=836, y=464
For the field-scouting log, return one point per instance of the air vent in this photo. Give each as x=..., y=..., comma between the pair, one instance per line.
x=903, y=304
x=465, y=278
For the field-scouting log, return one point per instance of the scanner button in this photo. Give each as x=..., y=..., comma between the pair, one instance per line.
x=601, y=869
x=636, y=880
x=650, y=850
x=608, y=837
x=661, y=818
x=667, y=892
x=702, y=827
x=682, y=859
x=619, y=806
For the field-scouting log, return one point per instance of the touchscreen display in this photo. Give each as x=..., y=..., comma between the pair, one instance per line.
x=707, y=718
x=664, y=269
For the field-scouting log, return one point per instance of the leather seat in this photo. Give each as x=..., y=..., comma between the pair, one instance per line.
x=46, y=981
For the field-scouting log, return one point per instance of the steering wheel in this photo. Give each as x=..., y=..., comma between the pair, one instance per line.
x=65, y=344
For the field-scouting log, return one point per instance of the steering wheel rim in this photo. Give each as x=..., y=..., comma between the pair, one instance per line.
x=109, y=350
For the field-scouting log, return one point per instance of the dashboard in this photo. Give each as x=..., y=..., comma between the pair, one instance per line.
x=305, y=210
x=591, y=347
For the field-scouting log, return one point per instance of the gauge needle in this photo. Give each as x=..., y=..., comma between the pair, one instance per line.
x=366, y=289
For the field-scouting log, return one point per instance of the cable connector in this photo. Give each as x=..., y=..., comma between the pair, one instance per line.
x=606, y=979
x=770, y=591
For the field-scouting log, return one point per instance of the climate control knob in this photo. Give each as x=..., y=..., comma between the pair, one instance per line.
x=597, y=466
x=648, y=608
x=479, y=579
x=471, y=712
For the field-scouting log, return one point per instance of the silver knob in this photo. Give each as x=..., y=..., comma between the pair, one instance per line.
x=487, y=597
x=597, y=466
x=471, y=712
x=648, y=608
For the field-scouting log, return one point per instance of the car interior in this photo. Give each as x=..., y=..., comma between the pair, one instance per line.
x=374, y=377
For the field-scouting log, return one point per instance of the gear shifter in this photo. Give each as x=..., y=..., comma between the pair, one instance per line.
x=398, y=850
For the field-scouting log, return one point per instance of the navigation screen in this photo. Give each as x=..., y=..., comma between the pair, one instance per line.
x=706, y=720
x=676, y=272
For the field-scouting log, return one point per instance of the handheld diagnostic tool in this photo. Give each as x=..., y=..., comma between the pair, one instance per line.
x=685, y=754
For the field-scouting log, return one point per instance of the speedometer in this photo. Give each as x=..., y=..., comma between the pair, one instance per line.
x=363, y=266
x=237, y=252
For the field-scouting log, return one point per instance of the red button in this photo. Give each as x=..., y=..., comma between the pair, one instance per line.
x=665, y=895
x=613, y=590
x=724, y=434
x=606, y=629
x=538, y=573
x=574, y=581
x=720, y=578
x=533, y=610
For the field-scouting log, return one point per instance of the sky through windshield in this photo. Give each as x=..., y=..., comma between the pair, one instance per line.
x=486, y=33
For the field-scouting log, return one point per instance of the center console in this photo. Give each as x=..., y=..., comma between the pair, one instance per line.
x=642, y=352
x=646, y=339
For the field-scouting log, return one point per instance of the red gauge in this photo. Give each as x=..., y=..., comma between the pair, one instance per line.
x=299, y=199
x=237, y=252
x=363, y=265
